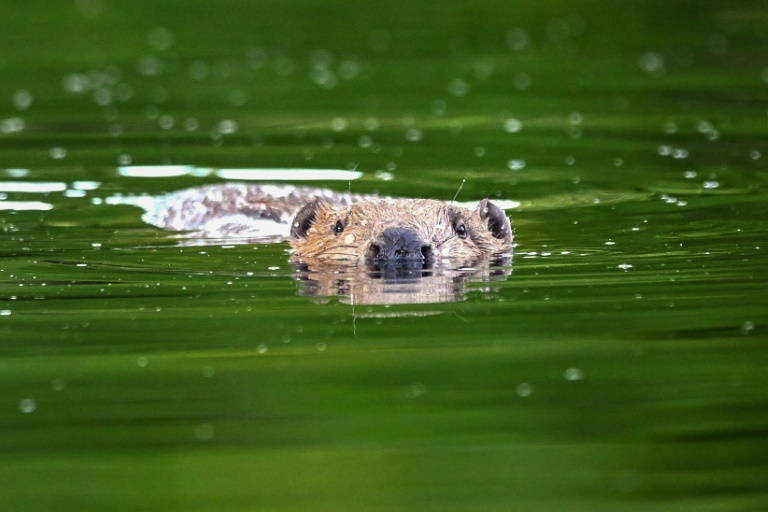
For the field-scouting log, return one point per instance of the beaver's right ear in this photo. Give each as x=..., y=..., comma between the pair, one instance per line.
x=305, y=219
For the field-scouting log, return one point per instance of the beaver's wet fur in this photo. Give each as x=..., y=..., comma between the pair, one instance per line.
x=416, y=233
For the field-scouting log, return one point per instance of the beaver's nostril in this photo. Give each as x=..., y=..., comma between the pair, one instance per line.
x=374, y=250
x=426, y=252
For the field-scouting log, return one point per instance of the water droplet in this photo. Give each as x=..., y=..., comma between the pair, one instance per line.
x=339, y=124
x=12, y=125
x=747, y=327
x=516, y=164
x=22, y=99
x=711, y=184
x=573, y=374
x=458, y=87
x=160, y=39
x=57, y=152
x=27, y=405
x=226, y=127
x=651, y=62
x=517, y=39
x=512, y=125
x=524, y=389
x=690, y=174
x=414, y=135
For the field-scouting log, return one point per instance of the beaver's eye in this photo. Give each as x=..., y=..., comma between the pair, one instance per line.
x=339, y=227
x=461, y=230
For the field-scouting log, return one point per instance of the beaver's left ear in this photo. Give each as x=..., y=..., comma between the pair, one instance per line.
x=305, y=219
x=496, y=220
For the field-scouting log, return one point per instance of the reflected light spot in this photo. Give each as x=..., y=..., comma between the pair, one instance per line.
x=288, y=174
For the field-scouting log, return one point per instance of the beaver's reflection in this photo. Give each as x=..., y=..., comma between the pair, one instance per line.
x=400, y=281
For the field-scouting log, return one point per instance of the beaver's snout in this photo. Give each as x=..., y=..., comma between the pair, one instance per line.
x=400, y=244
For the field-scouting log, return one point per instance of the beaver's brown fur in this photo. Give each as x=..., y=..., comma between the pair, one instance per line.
x=332, y=226
x=421, y=231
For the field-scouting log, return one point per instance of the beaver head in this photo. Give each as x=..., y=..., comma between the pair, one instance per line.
x=414, y=232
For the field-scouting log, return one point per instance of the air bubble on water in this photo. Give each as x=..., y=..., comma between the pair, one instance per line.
x=384, y=175
x=416, y=390
x=513, y=125
x=570, y=160
x=439, y=107
x=204, y=432
x=651, y=62
x=575, y=118
x=191, y=124
x=690, y=174
x=12, y=125
x=516, y=164
x=573, y=374
x=625, y=266
x=166, y=122
x=670, y=127
x=27, y=405
x=364, y=141
x=349, y=69
x=124, y=159
x=524, y=389
x=22, y=99
x=226, y=127
x=5, y=312
x=755, y=154
x=711, y=184
x=208, y=371
x=618, y=162
x=747, y=327
x=517, y=39
x=76, y=83
x=161, y=39
x=142, y=361
x=680, y=153
x=483, y=68
x=115, y=130
x=458, y=87
x=371, y=124
x=262, y=348
x=414, y=135
x=198, y=70
x=339, y=124
x=57, y=152
x=664, y=150
x=256, y=57
x=479, y=151
x=521, y=81
x=149, y=65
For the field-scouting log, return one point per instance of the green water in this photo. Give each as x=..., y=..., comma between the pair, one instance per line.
x=620, y=366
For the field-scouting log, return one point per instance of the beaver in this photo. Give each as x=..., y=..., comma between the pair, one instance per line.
x=404, y=232
x=323, y=225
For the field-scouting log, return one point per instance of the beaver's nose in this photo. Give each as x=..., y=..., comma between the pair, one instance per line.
x=400, y=244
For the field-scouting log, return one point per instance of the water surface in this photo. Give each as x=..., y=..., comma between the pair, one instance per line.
x=619, y=366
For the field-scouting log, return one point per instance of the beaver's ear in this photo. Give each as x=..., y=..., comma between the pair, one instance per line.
x=304, y=219
x=496, y=220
